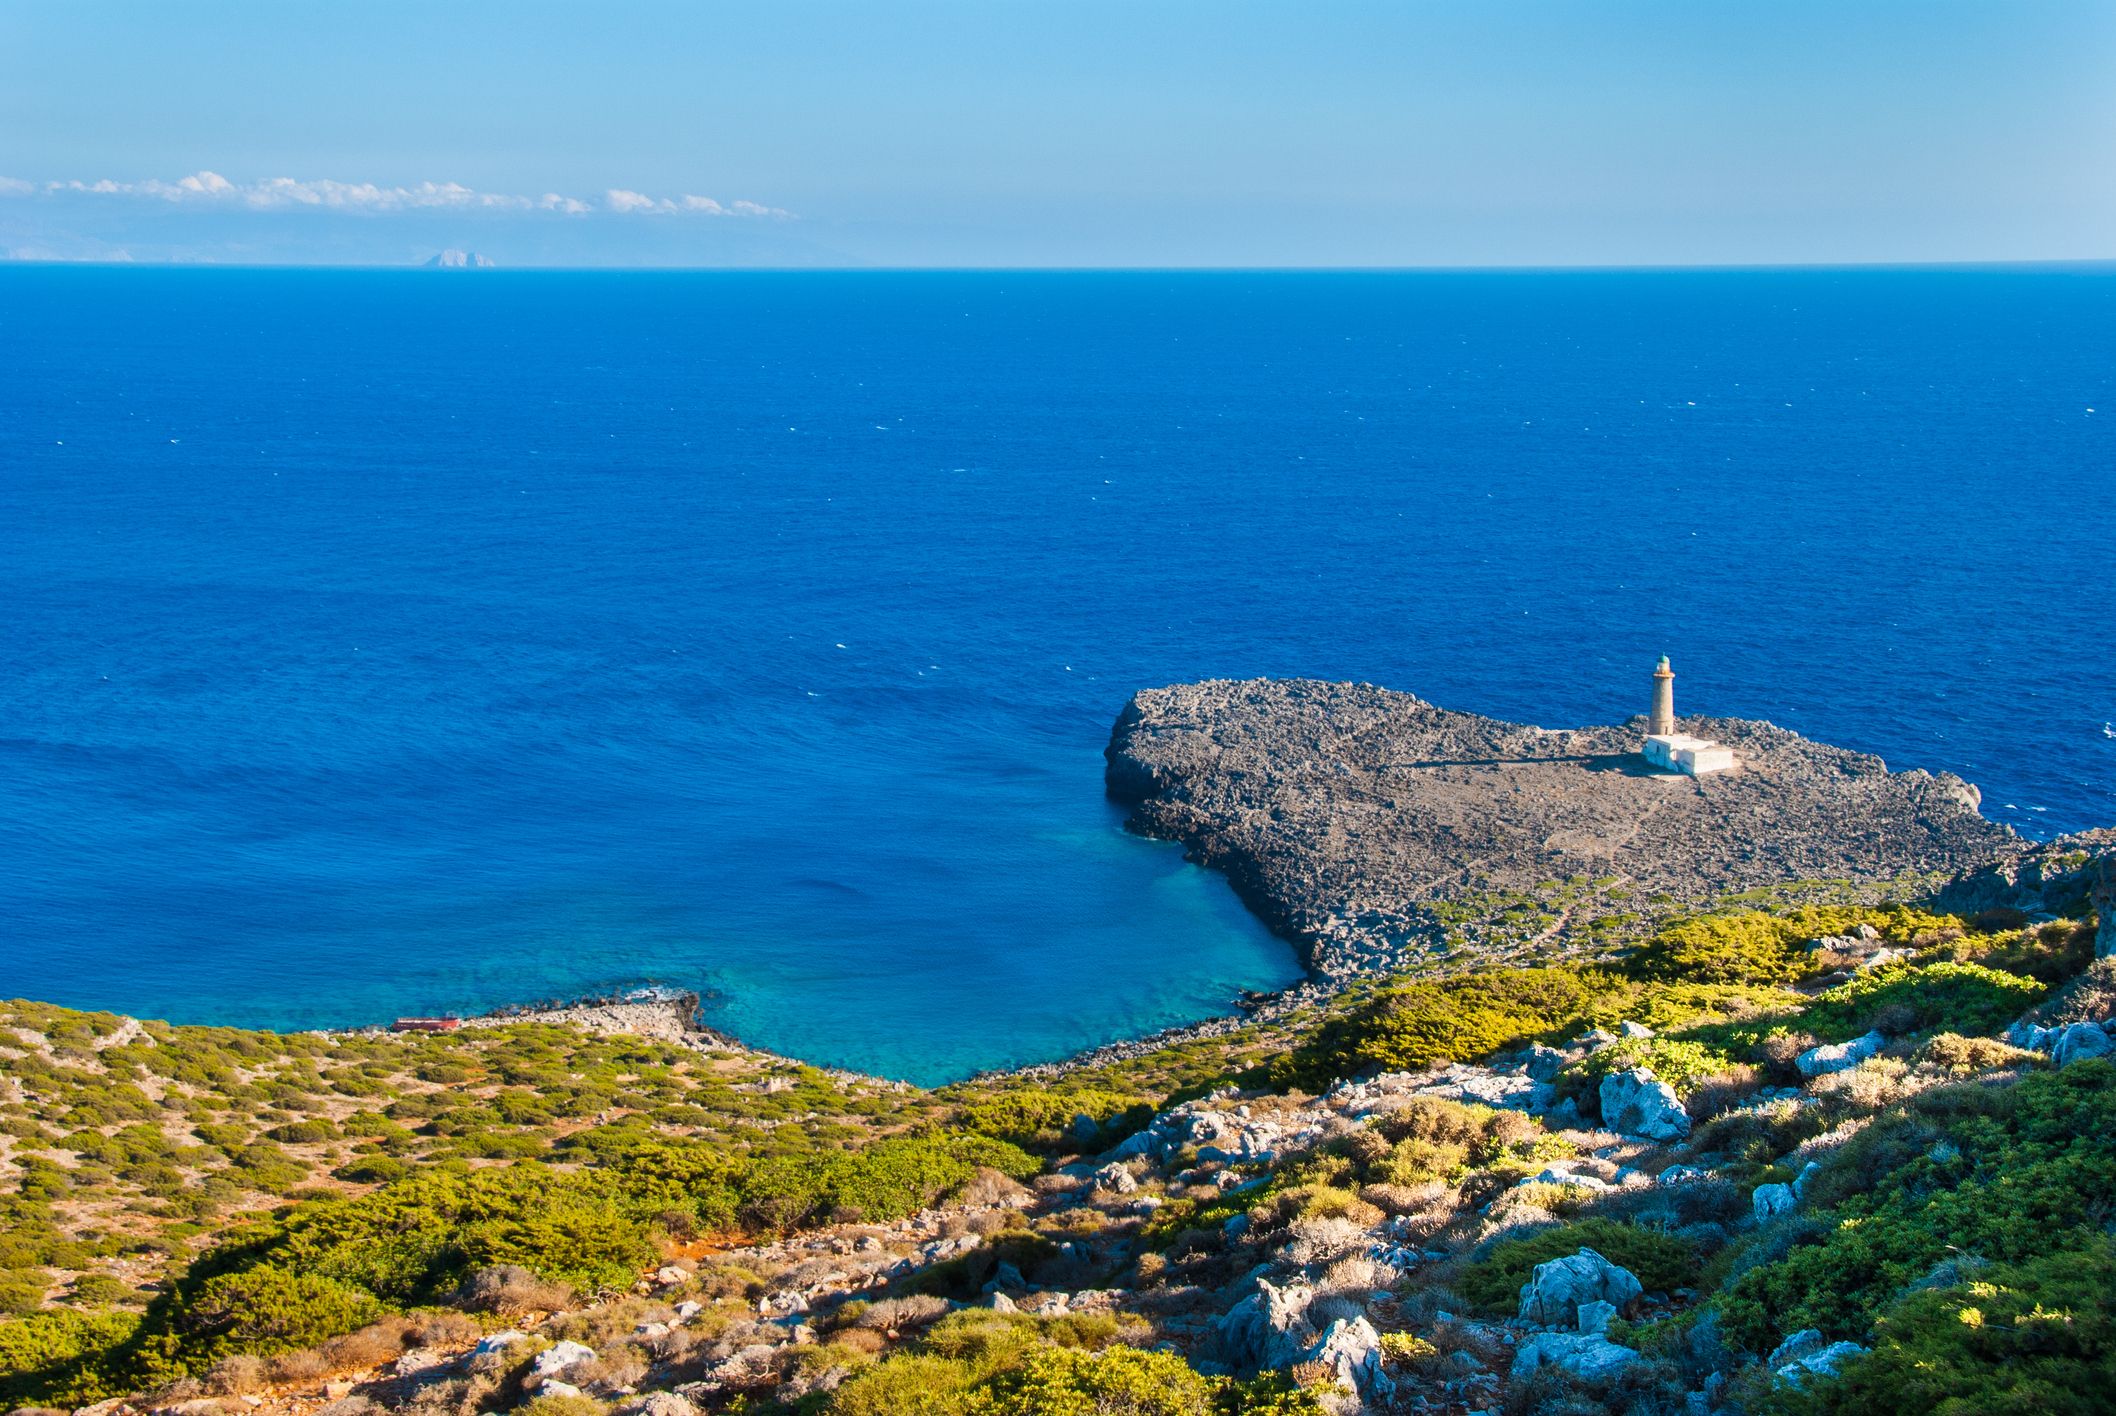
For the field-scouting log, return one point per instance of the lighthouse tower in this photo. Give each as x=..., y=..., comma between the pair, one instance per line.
x=1670, y=750
x=1662, y=721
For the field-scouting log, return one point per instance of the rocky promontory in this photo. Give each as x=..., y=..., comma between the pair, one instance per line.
x=1373, y=828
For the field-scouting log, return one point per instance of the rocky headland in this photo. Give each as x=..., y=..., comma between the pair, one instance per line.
x=1375, y=829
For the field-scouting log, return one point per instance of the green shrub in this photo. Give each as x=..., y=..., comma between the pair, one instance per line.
x=263, y=1310
x=22, y=1290
x=559, y=1403
x=1067, y=1381
x=2037, y=1337
x=56, y=1358
x=1753, y=947
x=1448, y=1020
x=373, y=1170
x=1901, y=998
x=2050, y=953
x=296, y=1133
x=1040, y=1116
x=1657, y=1259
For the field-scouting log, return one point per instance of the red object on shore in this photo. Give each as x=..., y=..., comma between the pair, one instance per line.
x=426, y=1025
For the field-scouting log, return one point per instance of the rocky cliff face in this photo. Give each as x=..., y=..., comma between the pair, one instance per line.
x=1360, y=822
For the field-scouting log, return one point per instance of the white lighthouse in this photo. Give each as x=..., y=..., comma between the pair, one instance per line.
x=1673, y=751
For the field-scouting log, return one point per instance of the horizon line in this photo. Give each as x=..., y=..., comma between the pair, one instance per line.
x=1523, y=268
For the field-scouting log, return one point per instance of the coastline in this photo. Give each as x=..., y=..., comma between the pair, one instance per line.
x=1294, y=750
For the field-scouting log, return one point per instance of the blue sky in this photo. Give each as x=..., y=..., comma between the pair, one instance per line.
x=1150, y=132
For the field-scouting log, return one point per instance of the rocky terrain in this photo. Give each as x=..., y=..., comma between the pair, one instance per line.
x=1374, y=829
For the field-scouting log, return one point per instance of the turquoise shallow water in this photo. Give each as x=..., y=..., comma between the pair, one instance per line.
x=382, y=643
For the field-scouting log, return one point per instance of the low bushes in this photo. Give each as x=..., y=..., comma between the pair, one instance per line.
x=1472, y=1015
x=2039, y=1336
x=60, y=1356
x=1754, y=947
x=328, y=1266
x=1042, y=1117
x=1944, y=997
x=2009, y=1174
x=989, y=1364
x=1449, y=1020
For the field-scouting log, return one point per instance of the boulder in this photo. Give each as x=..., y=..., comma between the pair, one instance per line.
x=1553, y=1294
x=1802, y=1344
x=1270, y=1327
x=558, y=1359
x=1807, y=1173
x=2079, y=1041
x=1115, y=1179
x=552, y=1386
x=1681, y=1175
x=1592, y=1358
x=1771, y=1200
x=1544, y=1063
x=1837, y=1056
x=1822, y=1363
x=498, y=1342
x=1084, y=1130
x=1637, y=1103
x=1352, y=1349
x=1595, y=1317
x=1638, y=1031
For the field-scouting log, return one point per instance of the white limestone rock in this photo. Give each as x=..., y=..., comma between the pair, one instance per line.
x=558, y=1359
x=1544, y=1063
x=1270, y=1327
x=1115, y=1179
x=1352, y=1348
x=1590, y=1357
x=1637, y=1103
x=1554, y=1292
x=1595, y=1317
x=1562, y=1173
x=2081, y=1040
x=1818, y=1364
x=1838, y=1056
x=1804, y=1343
x=1768, y=1201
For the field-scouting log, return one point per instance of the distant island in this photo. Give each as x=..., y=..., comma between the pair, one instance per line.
x=459, y=260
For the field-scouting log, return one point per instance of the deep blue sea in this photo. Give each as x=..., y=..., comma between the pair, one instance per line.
x=378, y=642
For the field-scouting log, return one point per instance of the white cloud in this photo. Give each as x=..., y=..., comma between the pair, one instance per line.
x=204, y=188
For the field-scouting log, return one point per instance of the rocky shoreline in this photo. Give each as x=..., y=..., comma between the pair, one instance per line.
x=1376, y=830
